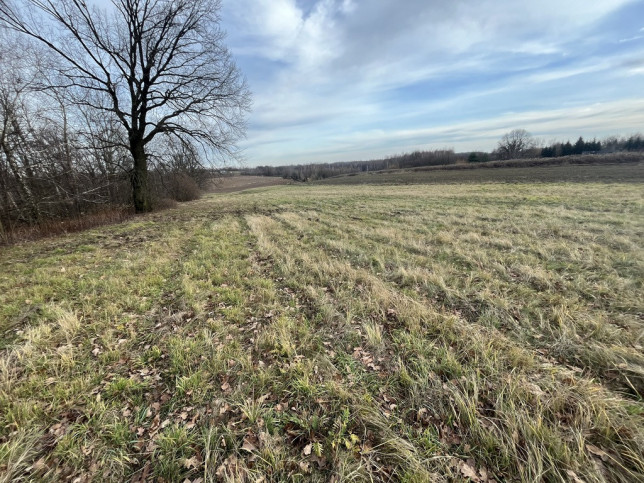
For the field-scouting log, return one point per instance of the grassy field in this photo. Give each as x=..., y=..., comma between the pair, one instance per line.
x=460, y=332
x=480, y=173
x=232, y=184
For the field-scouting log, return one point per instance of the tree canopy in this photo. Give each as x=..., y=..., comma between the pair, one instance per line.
x=515, y=144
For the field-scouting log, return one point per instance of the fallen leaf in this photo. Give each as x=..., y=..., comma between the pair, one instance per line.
x=484, y=474
x=191, y=462
x=249, y=445
x=468, y=470
x=307, y=449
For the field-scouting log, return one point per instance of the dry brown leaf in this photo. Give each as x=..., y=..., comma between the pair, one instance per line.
x=484, y=474
x=307, y=449
x=468, y=470
x=248, y=445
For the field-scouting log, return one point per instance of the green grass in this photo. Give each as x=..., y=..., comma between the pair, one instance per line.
x=315, y=333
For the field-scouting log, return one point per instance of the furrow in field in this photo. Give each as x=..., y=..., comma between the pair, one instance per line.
x=536, y=307
x=453, y=370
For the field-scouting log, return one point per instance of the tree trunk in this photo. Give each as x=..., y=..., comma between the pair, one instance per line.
x=139, y=178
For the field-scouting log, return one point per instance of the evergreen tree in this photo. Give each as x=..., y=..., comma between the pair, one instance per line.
x=580, y=146
x=567, y=149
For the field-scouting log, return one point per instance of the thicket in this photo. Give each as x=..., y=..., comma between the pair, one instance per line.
x=57, y=165
x=62, y=166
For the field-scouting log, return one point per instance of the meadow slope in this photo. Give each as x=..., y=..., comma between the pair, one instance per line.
x=477, y=332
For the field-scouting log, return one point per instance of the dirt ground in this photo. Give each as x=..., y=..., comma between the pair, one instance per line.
x=241, y=183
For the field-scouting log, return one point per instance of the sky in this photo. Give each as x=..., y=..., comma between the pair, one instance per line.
x=341, y=80
x=345, y=80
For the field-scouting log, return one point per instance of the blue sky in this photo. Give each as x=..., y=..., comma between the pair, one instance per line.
x=337, y=80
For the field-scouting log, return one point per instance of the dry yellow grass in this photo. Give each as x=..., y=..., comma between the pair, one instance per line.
x=406, y=333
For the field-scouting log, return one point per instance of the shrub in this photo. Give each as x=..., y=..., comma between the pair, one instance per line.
x=182, y=187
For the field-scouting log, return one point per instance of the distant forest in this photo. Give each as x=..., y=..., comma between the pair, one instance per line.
x=315, y=171
x=304, y=172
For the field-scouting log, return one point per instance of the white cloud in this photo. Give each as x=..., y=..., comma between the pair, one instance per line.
x=601, y=119
x=279, y=30
x=336, y=68
x=631, y=39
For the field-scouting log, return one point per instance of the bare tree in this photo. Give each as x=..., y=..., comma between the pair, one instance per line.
x=515, y=144
x=158, y=66
x=16, y=81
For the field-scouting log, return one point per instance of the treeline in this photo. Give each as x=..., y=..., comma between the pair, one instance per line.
x=60, y=161
x=609, y=145
x=315, y=171
x=556, y=150
x=54, y=168
x=52, y=173
x=517, y=144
